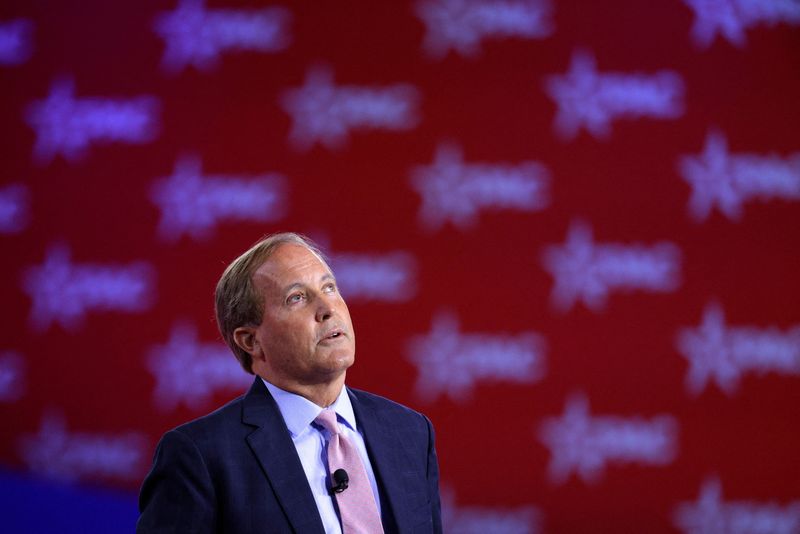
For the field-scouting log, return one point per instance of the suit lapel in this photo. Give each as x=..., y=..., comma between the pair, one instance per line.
x=272, y=445
x=388, y=458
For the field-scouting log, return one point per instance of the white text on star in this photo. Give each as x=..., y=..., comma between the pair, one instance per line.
x=461, y=25
x=723, y=354
x=592, y=100
x=584, y=444
x=726, y=181
x=324, y=113
x=68, y=126
x=197, y=36
x=456, y=192
x=451, y=363
x=588, y=272
x=194, y=204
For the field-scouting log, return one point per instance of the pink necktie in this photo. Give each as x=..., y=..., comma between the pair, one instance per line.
x=356, y=503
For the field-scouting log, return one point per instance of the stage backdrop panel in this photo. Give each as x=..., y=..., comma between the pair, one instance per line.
x=567, y=232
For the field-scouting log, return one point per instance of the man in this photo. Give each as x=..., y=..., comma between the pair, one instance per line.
x=274, y=459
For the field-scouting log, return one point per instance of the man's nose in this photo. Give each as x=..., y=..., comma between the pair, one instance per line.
x=324, y=310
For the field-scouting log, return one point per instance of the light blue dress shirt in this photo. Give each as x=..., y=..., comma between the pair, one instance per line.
x=311, y=442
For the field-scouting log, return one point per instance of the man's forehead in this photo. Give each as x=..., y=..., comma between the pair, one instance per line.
x=291, y=261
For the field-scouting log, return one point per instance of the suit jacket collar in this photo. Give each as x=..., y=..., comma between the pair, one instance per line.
x=272, y=445
x=389, y=458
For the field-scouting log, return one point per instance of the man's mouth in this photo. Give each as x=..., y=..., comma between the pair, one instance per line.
x=333, y=334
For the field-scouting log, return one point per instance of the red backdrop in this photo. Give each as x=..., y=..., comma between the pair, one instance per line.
x=567, y=232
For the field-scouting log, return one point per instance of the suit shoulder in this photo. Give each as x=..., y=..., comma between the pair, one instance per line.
x=388, y=406
x=227, y=415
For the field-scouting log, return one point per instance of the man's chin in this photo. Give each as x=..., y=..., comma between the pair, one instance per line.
x=344, y=361
x=332, y=361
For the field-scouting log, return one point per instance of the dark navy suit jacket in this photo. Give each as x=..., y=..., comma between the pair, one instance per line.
x=237, y=470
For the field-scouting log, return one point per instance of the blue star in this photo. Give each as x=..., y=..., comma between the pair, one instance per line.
x=712, y=177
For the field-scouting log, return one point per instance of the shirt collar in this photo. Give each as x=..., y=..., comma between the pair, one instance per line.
x=299, y=412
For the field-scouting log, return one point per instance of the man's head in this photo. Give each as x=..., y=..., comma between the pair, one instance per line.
x=279, y=310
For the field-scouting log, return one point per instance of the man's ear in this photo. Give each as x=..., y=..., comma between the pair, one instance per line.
x=245, y=338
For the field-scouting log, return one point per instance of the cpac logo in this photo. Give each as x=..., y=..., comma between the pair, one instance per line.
x=189, y=372
x=588, y=272
x=64, y=292
x=16, y=41
x=325, y=113
x=451, y=363
x=194, y=204
x=591, y=100
x=731, y=17
x=722, y=354
x=713, y=515
x=12, y=376
x=460, y=25
x=66, y=125
x=584, y=444
x=56, y=453
x=197, y=36
x=482, y=519
x=455, y=191
x=388, y=277
x=14, y=208
x=728, y=181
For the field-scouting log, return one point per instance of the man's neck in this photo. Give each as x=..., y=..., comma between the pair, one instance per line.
x=322, y=394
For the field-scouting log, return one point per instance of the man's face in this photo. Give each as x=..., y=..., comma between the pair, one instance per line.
x=305, y=335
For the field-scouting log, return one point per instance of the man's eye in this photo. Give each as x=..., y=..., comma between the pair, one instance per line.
x=296, y=297
x=329, y=288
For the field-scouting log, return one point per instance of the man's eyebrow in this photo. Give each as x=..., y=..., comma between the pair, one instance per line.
x=292, y=287
x=324, y=278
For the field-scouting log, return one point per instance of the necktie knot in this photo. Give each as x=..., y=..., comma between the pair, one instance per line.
x=327, y=418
